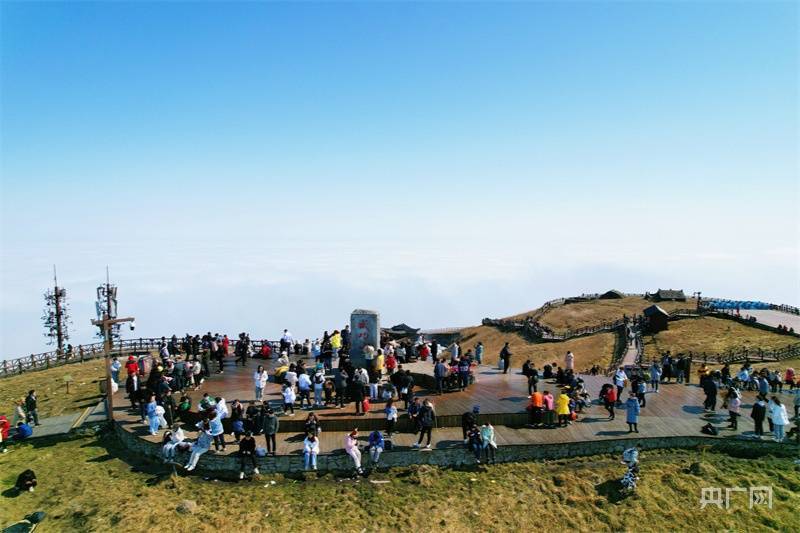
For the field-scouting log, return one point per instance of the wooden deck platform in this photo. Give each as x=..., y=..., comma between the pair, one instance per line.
x=676, y=410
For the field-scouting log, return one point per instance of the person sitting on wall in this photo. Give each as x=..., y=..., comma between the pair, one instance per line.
x=24, y=431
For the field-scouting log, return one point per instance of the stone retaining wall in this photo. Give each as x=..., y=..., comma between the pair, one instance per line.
x=457, y=456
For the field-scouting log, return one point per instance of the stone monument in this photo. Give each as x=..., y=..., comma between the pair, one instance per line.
x=365, y=329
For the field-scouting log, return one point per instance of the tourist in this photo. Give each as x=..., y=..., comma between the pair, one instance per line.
x=5, y=428
x=286, y=341
x=304, y=387
x=217, y=431
x=270, y=425
x=549, y=409
x=455, y=351
x=351, y=447
x=24, y=431
x=536, y=409
x=152, y=415
x=407, y=388
x=31, y=408
x=779, y=419
x=312, y=424
x=687, y=368
x=463, y=372
x=505, y=356
x=201, y=445
x=132, y=367
x=168, y=403
x=375, y=446
x=427, y=419
x=609, y=400
x=221, y=407
x=620, y=379
x=288, y=399
x=374, y=376
x=562, y=409
x=116, y=366
x=439, y=374
x=357, y=393
x=474, y=441
x=758, y=414
x=788, y=378
x=207, y=402
x=260, y=377
x=247, y=450
x=391, y=416
x=26, y=482
x=797, y=406
x=655, y=376
x=19, y=412
x=478, y=352
x=469, y=419
x=310, y=451
x=733, y=402
x=132, y=389
x=710, y=389
x=632, y=408
x=171, y=441
x=290, y=377
x=569, y=361
x=488, y=442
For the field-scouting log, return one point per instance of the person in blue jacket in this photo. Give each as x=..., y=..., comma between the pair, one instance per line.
x=375, y=446
x=24, y=430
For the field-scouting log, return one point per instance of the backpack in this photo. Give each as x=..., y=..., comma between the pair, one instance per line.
x=709, y=429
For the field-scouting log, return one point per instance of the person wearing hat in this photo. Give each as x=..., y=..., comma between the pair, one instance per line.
x=132, y=367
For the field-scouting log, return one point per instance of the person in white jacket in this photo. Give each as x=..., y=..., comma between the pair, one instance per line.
x=288, y=399
x=260, y=377
x=201, y=446
x=310, y=451
x=222, y=408
x=779, y=418
x=176, y=437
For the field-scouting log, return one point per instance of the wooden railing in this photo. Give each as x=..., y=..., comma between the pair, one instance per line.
x=537, y=331
x=86, y=352
x=738, y=355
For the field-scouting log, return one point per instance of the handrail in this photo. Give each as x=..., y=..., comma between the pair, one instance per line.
x=86, y=352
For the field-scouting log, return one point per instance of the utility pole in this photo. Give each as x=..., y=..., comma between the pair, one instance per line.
x=108, y=323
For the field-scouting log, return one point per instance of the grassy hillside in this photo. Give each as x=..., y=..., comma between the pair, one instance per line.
x=579, y=315
x=84, y=485
x=711, y=335
x=51, y=390
x=588, y=351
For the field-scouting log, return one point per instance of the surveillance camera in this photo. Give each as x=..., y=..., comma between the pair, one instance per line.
x=133, y=326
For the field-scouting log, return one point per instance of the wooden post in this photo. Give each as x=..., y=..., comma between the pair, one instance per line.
x=33, y=361
x=5, y=369
x=80, y=349
x=47, y=360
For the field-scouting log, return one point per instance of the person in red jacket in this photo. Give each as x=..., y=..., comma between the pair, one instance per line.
x=132, y=366
x=610, y=399
x=5, y=426
x=225, y=343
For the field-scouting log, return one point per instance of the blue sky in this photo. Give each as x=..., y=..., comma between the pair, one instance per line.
x=260, y=165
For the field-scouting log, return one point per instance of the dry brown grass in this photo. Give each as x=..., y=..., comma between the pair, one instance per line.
x=588, y=351
x=712, y=335
x=51, y=390
x=85, y=485
x=580, y=315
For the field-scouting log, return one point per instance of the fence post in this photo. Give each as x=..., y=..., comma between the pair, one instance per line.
x=5, y=367
x=80, y=350
x=47, y=360
x=33, y=361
